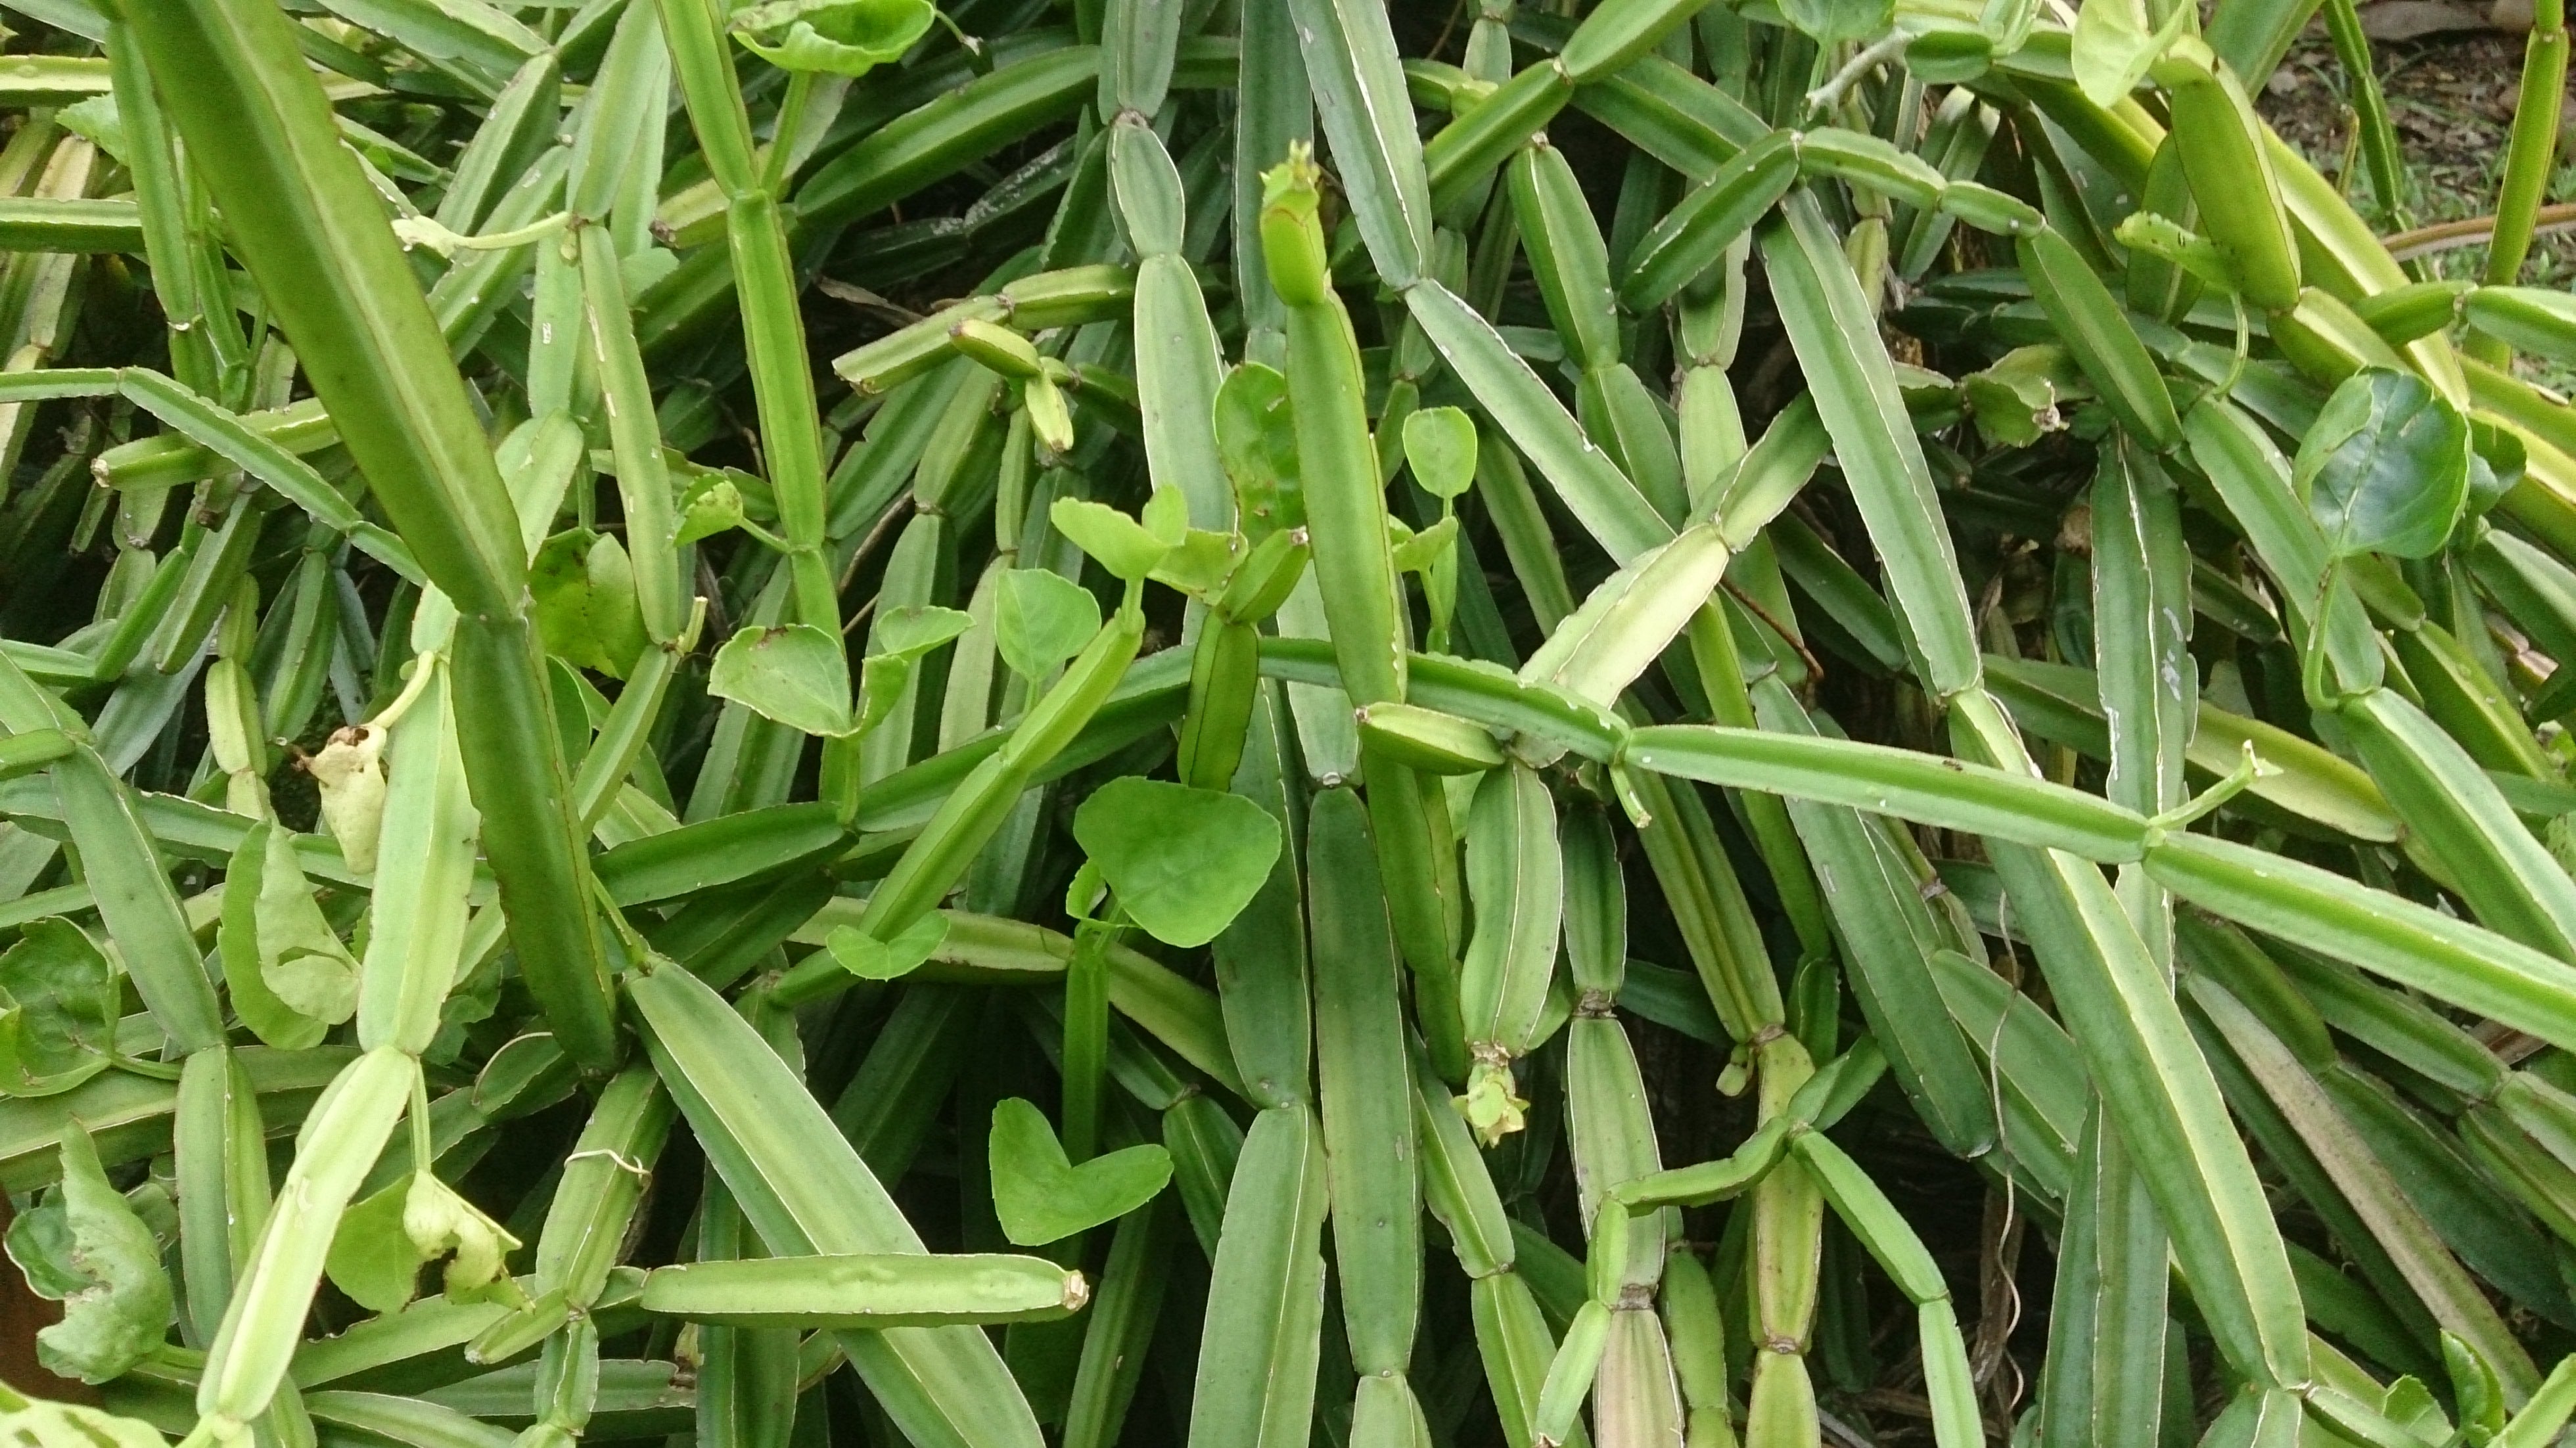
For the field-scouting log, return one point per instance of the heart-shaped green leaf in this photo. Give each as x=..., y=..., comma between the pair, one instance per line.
x=1166, y=515
x=301, y=966
x=382, y=1242
x=1440, y=445
x=2497, y=461
x=97, y=120
x=372, y=1259
x=1201, y=564
x=60, y=1010
x=1948, y=57
x=2113, y=46
x=86, y=1248
x=2025, y=395
x=1040, y=619
x=1083, y=893
x=915, y=629
x=2411, y=1405
x=794, y=674
x=1127, y=548
x=869, y=958
x=1041, y=1197
x=881, y=681
x=583, y=585
x=1256, y=440
x=638, y=270
x=2385, y=467
x=237, y=941
x=837, y=37
x=1828, y=21
x=896, y=641
x=713, y=505
x=1183, y=861
x=1418, y=551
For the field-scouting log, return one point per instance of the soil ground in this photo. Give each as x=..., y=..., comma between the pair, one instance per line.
x=2451, y=98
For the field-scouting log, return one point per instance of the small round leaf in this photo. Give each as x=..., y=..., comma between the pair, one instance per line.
x=1440, y=443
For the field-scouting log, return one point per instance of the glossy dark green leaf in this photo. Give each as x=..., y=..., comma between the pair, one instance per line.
x=2385, y=468
x=60, y=1021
